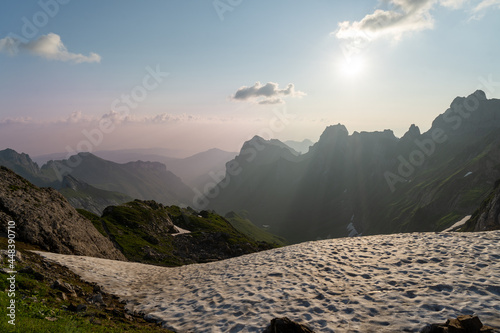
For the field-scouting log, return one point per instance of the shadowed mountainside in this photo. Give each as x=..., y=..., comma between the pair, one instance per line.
x=369, y=183
x=487, y=217
x=92, y=183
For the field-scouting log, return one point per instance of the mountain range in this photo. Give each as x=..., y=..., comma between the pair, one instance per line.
x=344, y=185
x=194, y=170
x=368, y=183
x=93, y=183
x=143, y=231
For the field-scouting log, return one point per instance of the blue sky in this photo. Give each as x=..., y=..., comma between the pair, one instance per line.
x=236, y=68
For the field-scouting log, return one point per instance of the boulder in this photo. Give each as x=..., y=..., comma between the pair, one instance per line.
x=462, y=324
x=285, y=325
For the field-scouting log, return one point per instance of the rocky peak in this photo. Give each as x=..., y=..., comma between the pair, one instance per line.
x=413, y=133
x=20, y=163
x=334, y=132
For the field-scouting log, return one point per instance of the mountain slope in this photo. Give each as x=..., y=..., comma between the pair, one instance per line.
x=246, y=227
x=44, y=218
x=200, y=169
x=145, y=232
x=486, y=217
x=84, y=196
x=141, y=180
x=300, y=146
x=25, y=167
x=77, y=192
x=370, y=183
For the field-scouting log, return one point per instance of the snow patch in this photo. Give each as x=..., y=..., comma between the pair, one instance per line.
x=458, y=224
x=389, y=283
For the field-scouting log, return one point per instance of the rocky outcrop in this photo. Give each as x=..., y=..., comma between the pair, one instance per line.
x=487, y=217
x=24, y=166
x=285, y=325
x=44, y=218
x=462, y=324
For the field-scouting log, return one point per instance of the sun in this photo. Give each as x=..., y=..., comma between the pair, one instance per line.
x=352, y=66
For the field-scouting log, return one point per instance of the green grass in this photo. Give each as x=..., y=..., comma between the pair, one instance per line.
x=447, y=221
x=246, y=227
x=37, y=304
x=141, y=230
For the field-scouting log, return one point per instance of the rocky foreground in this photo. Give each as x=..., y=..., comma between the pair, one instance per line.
x=44, y=218
x=390, y=283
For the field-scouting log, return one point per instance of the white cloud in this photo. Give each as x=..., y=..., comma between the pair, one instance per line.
x=16, y=121
x=402, y=16
x=487, y=4
x=80, y=119
x=270, y=93
x=453, y=4
x=47, y=46
x=479, y=10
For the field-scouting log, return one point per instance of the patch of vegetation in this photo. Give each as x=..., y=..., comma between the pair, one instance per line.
x=470, y=225
x=40, y=307
x=448, y=220
x=144, y=231
x=246, y=227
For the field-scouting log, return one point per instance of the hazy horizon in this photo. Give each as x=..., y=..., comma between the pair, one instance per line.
x=91, y=76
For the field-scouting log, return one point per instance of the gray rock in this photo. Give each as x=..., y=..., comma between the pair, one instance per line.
x=44, y=218
x=285, y=325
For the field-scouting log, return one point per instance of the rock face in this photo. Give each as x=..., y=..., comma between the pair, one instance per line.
x=285, y=325
x=487, y=217
x=44, y=218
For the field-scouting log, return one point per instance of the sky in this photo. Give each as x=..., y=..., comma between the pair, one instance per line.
x=193, y=75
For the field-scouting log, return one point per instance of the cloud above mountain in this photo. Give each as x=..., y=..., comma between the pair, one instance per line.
x=270, y=93
x=48, y=46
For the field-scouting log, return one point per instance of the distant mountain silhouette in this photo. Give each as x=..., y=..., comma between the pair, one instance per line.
x=93, y=183
x=201, y=168
x=22, y=164
x=300, y=146
x=140, y=180
x=369, y=183
x=84, y=196
x=195, y=171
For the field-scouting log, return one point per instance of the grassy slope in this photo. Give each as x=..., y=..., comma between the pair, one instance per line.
x=125, y=227
x=246, y=227
x=133, y=227
x=40, y=308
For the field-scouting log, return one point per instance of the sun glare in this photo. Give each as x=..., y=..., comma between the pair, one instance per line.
x=352, y=66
